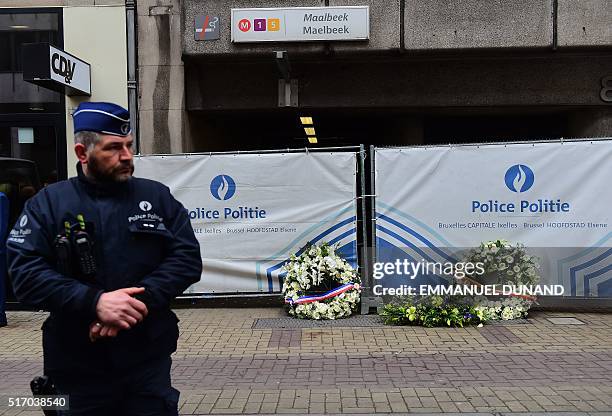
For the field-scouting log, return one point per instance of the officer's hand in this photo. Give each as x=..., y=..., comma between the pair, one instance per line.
x=98, y=330
x=120, y=309
x=94, y=331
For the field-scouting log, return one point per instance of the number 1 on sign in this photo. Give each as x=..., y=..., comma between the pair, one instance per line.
x=259, y=25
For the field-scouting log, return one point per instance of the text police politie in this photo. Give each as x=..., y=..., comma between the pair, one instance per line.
x=539, y=206
x=227, y=213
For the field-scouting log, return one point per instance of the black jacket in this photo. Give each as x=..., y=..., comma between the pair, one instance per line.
x=142, y=237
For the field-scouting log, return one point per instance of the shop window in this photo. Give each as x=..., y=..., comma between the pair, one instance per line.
x=10, y=46
x=18, y=27
x=32, y=118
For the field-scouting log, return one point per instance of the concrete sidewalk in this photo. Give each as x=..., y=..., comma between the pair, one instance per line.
x=225, y=366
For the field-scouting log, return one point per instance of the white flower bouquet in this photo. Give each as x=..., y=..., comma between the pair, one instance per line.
x=503, y=309
x=318, y=267
x=505, y=264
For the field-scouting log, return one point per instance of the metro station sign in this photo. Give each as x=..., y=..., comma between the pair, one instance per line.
x=301, y=24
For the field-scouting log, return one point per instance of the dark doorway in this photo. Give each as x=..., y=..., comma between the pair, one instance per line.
x=279, y=129
x=493, y=128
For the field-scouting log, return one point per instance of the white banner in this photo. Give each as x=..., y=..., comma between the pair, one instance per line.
x=554, y=198
x=250, y=212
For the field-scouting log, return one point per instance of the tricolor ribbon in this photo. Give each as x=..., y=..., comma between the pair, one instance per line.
x=332, y=293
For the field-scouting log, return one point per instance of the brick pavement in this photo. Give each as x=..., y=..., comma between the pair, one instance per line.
x=223, y=366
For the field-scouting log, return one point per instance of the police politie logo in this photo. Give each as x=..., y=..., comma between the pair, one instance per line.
x=222, y=187
x=145, y=206
x=519, y=178
x=125, y=128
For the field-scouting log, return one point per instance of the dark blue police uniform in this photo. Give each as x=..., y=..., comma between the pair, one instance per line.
x=142, y=238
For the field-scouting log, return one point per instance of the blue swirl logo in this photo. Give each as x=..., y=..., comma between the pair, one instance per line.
x=519, y=178
x=222, y=187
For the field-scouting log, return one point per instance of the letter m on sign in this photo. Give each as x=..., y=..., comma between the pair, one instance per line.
x=244, y=25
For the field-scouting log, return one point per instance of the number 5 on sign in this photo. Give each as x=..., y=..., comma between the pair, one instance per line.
x=273, y=25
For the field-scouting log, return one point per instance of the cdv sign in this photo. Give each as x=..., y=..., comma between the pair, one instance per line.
x=53, y=68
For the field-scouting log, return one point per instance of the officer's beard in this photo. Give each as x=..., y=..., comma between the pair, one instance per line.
x=119, y=173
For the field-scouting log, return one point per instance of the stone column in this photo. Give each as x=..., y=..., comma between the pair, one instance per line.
x=161, y=77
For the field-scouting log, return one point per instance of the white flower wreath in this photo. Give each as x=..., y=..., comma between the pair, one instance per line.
x=317, y=264
x=503, y=309
x=510, y=265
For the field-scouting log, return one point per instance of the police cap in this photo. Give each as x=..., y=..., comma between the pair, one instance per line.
x=105, y=118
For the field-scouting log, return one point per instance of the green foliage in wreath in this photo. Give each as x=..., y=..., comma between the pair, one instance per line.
x=432, y=311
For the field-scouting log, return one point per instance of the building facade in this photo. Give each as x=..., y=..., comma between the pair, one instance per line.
x=429, y=72
x=36, y=122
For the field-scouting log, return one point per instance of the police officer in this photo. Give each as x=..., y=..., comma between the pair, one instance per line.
x=105, y=253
